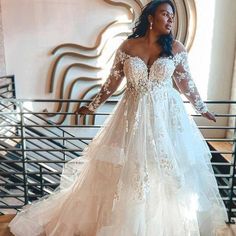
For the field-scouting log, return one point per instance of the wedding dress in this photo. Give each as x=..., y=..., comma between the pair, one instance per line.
x=147, y=172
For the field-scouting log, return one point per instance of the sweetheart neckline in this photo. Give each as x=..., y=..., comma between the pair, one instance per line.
x=154, y=62
x=148, y=69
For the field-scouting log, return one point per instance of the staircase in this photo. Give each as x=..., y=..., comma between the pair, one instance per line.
x=32, y=153
x=31, y=158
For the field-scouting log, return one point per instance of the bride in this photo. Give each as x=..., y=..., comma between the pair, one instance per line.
x=147, y=171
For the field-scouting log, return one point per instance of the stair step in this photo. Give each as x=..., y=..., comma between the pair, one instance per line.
x=4, y=230
x=224, y=147
x=6, y=218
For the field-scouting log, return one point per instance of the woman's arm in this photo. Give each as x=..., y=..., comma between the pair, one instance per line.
x=112, y=82
x=184, y=81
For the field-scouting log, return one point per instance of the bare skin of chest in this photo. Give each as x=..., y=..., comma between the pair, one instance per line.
x=144, y=51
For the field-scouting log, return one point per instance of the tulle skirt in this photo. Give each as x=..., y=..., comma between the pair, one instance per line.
x=146, y=172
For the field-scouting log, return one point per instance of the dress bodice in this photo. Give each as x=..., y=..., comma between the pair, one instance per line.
x=141, y=79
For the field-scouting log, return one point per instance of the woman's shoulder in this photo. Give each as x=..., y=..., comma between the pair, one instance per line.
x=180, y=52
x=178, y=47
x=130, y=45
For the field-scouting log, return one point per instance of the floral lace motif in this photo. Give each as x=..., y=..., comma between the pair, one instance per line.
x=141, y=82
x=174, y=118
x=112, y=82
x=182, y=77
x=140, y=182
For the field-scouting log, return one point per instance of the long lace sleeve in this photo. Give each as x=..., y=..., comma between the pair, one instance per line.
x=112, y=82
x=185, y=83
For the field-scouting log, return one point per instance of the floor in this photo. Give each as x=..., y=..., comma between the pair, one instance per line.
x=224, y=147
x=3, y=225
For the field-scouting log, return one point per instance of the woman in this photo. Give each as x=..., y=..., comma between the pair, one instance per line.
x=148, y=171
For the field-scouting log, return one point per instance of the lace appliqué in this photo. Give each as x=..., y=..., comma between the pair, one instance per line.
x=174, y=117
x=182, y=77
x=140, y=182
x=117, y=192
x=166, y=165
x=112, y=82
x=144, y=82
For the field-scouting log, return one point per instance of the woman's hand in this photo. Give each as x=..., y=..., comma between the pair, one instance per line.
x=209, y=115
x=82, y=111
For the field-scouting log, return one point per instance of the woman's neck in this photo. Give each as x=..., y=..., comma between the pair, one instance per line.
x=151, y=38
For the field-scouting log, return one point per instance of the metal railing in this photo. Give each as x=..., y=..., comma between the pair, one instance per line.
x=34, y=150
x=7, y=91
x=7, y=86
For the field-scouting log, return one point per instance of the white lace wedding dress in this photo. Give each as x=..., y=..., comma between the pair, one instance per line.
x=147, y=172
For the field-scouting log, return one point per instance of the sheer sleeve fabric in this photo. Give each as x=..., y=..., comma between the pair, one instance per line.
x=112, y=82
x=185, y=83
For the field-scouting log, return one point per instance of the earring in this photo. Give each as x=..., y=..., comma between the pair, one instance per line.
x=150, y=25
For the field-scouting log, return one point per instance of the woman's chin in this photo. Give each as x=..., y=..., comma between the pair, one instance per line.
x=166, y=32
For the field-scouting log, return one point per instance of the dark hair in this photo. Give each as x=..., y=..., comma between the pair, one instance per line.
x=142, y=24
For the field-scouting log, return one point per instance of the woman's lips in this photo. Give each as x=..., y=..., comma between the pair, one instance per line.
x=168, y=27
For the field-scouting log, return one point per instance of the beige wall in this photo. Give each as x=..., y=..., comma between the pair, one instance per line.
x=232, y=109
x=32, y=28
x=2, y=51
x=223, y=55
x=212, y=56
